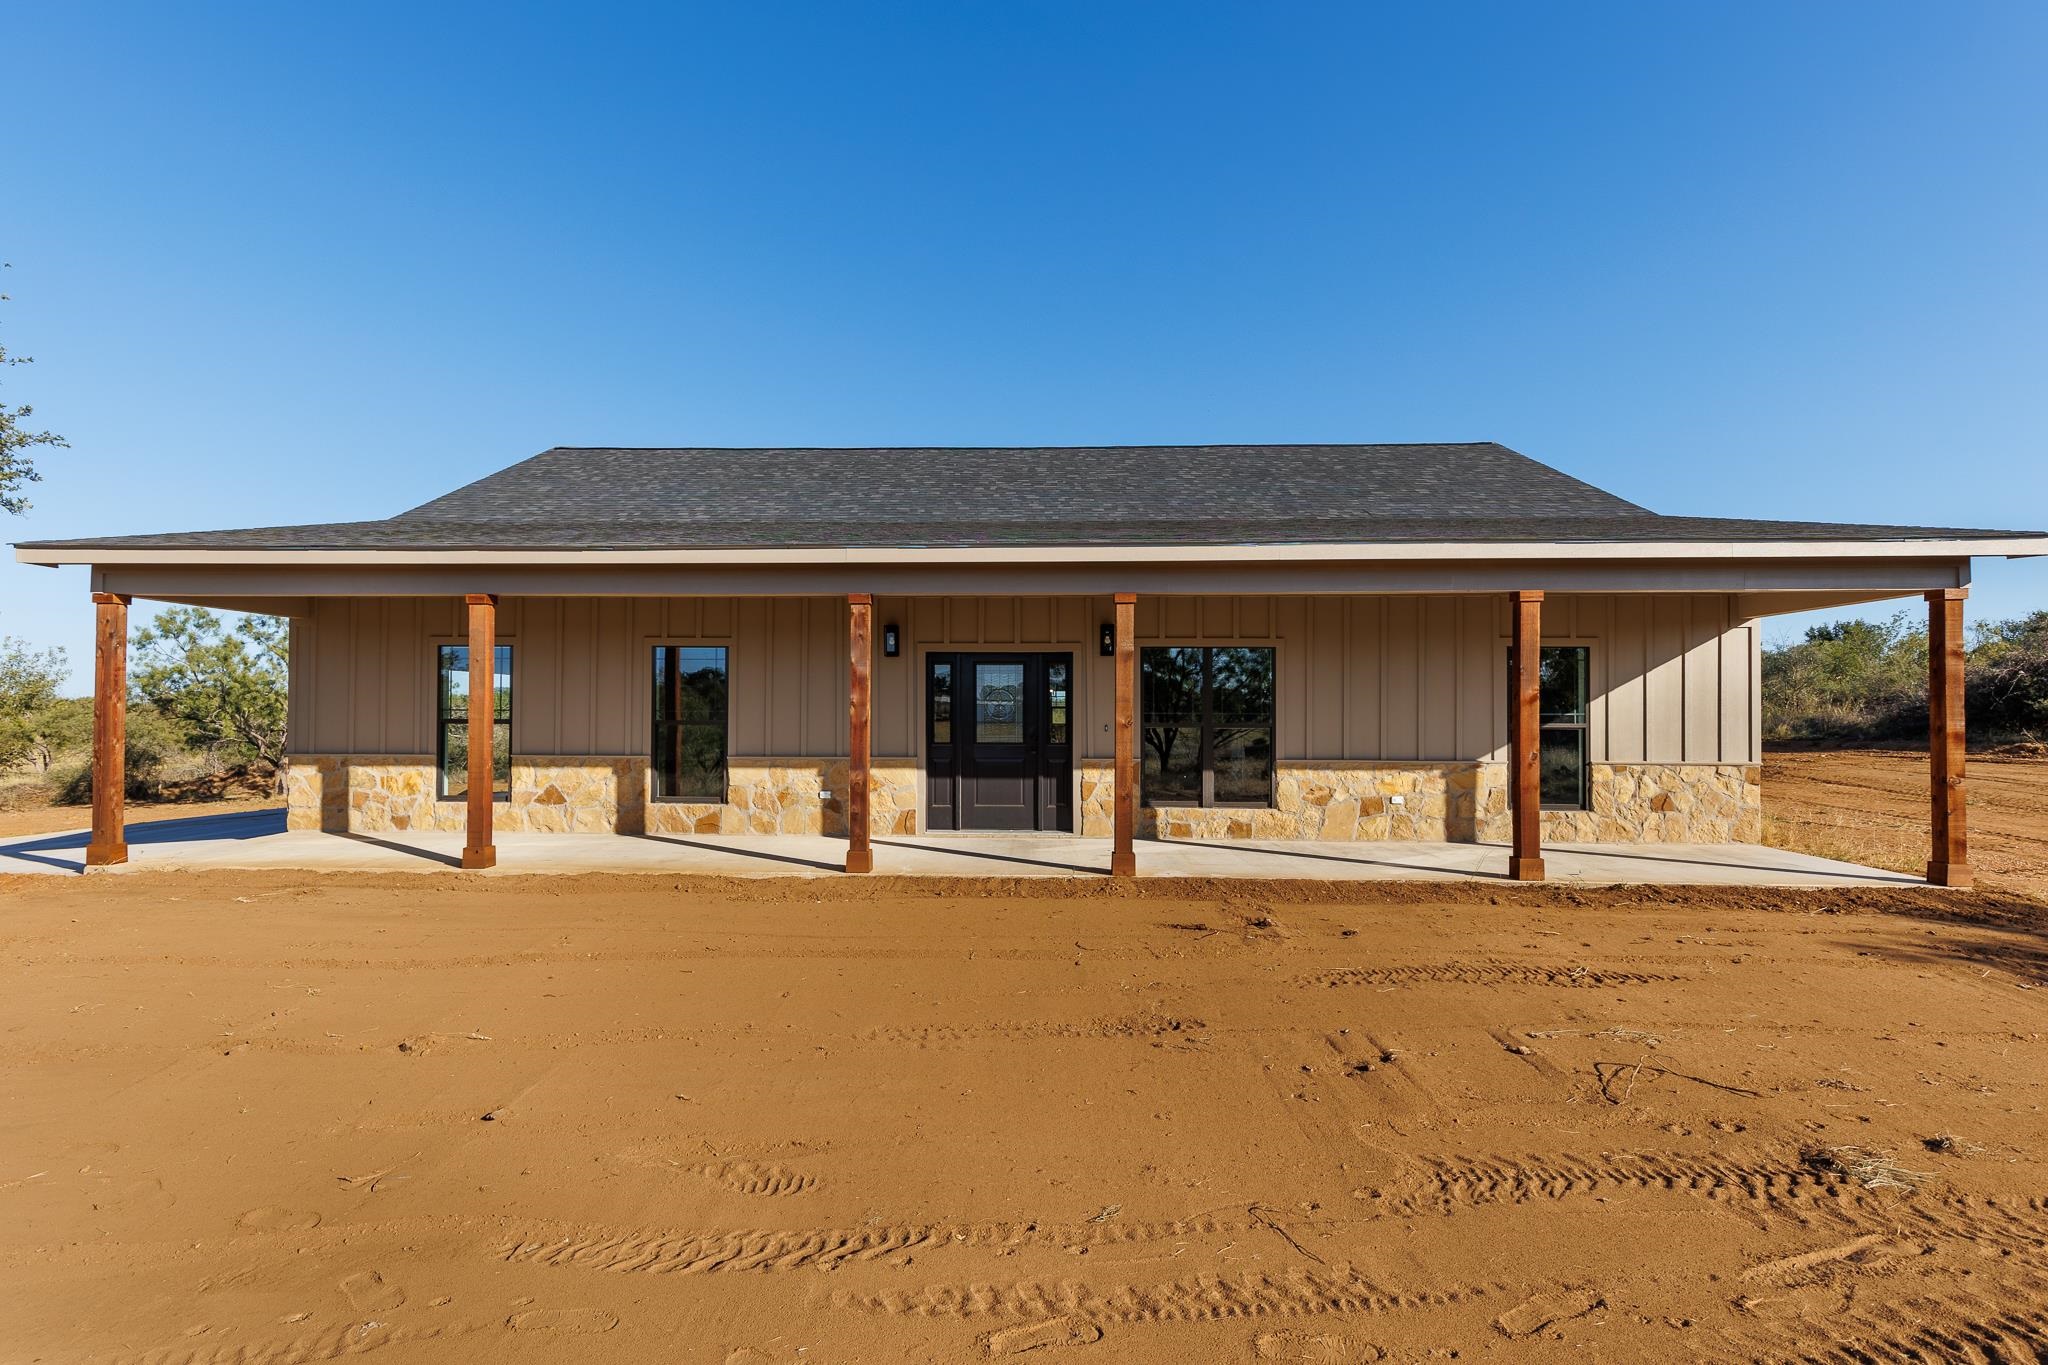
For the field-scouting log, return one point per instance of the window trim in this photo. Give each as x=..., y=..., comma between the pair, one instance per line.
x=647, y=712
x=441, y=722
x=1584, y=727
x=1208, y=799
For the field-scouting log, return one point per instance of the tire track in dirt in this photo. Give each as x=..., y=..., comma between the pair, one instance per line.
x=355, y=1338
x=2017, y=1227
x=1448, y=1183
x=1115, y=1026
x=1482, y=974
x=1193, y=1298
x=2001, y=1325
x=685, y=1253
x=753, y=1177
x=569, y=957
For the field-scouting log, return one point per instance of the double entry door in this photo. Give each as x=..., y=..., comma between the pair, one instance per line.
x=999, y=741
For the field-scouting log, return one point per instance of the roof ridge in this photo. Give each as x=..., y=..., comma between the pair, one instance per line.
x=1156, y=445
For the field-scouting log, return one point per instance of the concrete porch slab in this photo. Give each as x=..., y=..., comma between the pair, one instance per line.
x=258, y=840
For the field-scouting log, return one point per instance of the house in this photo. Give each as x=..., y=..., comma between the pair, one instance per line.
x=1357, y=642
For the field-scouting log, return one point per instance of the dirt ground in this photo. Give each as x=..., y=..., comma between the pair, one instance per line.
x=290, y=1118
x=1870, y=806
x=60, y=819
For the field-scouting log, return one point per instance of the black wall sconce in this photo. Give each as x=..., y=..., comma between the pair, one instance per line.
x=1108, y=639
x=892, y=641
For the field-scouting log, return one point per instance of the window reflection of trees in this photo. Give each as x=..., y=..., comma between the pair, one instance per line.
x=1207, y=725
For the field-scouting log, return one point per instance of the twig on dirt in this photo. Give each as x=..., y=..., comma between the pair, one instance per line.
x=1630, y=1035
x=1261, y=1216
x=1632, y=1078
x=1109, y=1211
x=1609, y=1072
x=370, y=1180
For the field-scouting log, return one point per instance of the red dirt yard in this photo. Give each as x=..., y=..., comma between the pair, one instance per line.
x=302, y=1117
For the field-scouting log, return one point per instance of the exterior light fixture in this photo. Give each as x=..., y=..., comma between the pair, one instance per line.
x=892, y=641
x=1108, y=639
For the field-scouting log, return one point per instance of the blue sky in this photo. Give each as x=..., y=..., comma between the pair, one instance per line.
x=282, y=263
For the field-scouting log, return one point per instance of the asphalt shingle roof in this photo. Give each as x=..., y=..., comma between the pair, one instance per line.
x=613, y=498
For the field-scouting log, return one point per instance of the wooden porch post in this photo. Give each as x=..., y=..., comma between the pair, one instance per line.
x=1525, y=862
x=860, y=607
x=109, y=731
x=1949, y=864
x=1123, y=859
x=480, y=848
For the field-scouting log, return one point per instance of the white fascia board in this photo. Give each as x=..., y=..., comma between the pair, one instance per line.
x=2014, y=548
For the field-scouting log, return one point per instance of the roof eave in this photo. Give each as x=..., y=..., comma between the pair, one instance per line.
x=2012, y=547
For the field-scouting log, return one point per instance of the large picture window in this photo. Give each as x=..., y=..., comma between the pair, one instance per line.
x=452, y=759
x=1562, y=708
x=1206, y=726
x=689, y=723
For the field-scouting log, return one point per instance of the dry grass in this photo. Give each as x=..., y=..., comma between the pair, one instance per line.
x=1862, y=839
x=1870, y=806
x=1872, y=1170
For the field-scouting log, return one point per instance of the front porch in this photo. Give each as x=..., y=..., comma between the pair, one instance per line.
x=259, y=840
x=1353, y=735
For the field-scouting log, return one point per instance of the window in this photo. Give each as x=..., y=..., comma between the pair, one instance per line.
x=1056, y=733
x=1206, y=726
x=1562, y=706
x=689, y=723
x=454, y=722
x=941, y=693
x=998, y=703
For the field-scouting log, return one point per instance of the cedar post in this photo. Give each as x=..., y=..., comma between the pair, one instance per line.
x=480, y=848
x=1123, y=859
x=109, y=731
x=1525, y=862
x=1950, y=863
x=860, y=606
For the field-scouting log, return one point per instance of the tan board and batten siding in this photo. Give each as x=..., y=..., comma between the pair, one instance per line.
x=1675, y=677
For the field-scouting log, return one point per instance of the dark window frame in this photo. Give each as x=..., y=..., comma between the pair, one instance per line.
x=657, y=727
x=1583, y=725
x=443, y=721
x=1207, y=723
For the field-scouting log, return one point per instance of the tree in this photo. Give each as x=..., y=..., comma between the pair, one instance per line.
x=17, y=440
x=1848, y=679
x=28, y=694
x=2008, y=677
x=225, y=688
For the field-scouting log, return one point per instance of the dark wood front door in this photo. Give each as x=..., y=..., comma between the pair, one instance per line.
x=999, y=741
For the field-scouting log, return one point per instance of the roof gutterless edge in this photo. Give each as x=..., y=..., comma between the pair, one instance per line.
x=1091, y=501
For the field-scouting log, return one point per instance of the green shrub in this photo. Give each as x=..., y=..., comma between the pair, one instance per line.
x=154, y=743
x=1867, y=680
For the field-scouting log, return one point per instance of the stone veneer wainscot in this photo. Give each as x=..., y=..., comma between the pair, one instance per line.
x=1459, y=803
x=377, y=794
